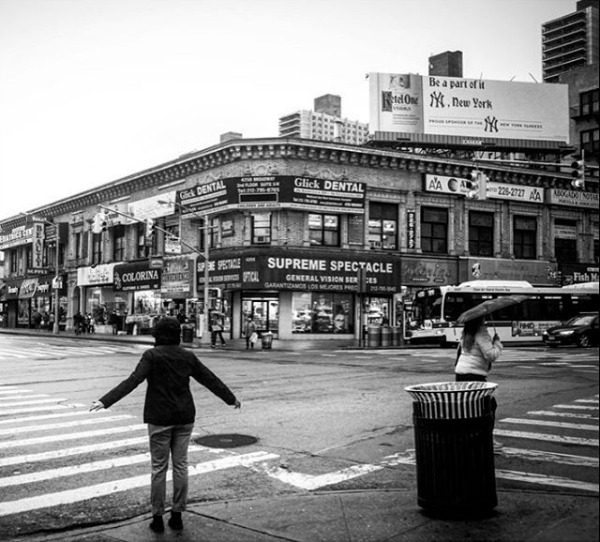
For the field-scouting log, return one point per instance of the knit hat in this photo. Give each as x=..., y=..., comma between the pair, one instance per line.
x=167, y=331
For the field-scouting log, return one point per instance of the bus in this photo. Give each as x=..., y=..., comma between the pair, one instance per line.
x=436, y=309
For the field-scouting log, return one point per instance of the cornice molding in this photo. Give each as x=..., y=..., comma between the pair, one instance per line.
x=302, y=150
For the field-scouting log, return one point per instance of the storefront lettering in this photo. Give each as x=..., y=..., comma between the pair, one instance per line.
x=345, y=266
x=140, y=276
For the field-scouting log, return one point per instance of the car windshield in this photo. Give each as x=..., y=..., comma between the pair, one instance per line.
x=580, y=321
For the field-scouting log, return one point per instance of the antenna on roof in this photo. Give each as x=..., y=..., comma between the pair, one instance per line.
x=533, y=78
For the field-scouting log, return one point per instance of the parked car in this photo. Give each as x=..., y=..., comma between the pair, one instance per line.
x=581, y=330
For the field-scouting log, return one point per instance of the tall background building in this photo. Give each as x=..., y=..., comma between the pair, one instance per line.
x=570, y=56
x=324, y=123
x=447, y=64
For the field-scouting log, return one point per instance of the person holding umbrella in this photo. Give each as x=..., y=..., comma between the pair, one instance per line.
x=477, y=353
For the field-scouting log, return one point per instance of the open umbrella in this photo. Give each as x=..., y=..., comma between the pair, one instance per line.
x=489, y=306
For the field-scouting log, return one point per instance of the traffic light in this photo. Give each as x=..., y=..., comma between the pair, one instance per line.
x=100, y=222
x=103, y=220
x=476, y=185
x=149, y=227
x=578, y=173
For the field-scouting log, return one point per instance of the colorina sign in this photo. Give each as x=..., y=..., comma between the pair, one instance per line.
x=279, y=191
x=136, y=276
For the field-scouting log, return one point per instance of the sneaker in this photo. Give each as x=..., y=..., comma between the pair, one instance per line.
x=157, y=524
x=175, y=521
x=212, y=345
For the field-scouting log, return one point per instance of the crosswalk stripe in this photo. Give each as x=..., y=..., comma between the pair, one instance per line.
x=550, y=457
x=70, y=436
x=65, y=452
x=94, y=466
x=562, y=414
x=63, y=425
x=576, y=407
x=34, y=402
x=18, y=397
x=6, y=412
x=542, y=479
x=16, y=390
x=548, y=438
x=109, y=488
x=527, y=421
x=64, y=414
x=594, y=401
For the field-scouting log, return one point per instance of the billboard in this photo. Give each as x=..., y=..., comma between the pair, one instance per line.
x=274, y=191
x=453, y=106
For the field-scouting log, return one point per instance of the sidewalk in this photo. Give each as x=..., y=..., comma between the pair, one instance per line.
x=354, y=516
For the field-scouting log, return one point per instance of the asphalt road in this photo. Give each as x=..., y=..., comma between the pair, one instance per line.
x=322, y=419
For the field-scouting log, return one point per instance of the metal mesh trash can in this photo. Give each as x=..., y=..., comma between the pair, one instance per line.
x=386, y=336
x=267, y=340
x=373, y=336
x=395, y=335
x=187, y=333
x=453, y=425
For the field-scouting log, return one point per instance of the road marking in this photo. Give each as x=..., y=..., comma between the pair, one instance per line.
x=562, y=414
x=56, y=454
x=546, y=437
x=50, y=426
x=18, y=397
x=70, y=436
x=109, y=488
x=4, y=412
x=542, y=479
x=593, y=401
x=16, y=390
x=582, y=426
x=576, y=407
x=34, y=402
x=25, y=419
x=311, y=482
x=551, y=457
x=63, y=472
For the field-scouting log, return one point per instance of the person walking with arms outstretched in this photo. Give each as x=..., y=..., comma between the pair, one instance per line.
x=169, y=411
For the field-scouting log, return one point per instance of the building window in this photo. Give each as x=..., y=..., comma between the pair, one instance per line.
x=565, y=241
x=434, y=230
x=96, y=248
x=590, y=142
x=261, y=228
x=481, y=233
x=383, y=226
x=525, y=236
x=142, y=248
x=322, y=313
x=324, y=230
x=78, y=245
x=118, y=243
x=588, y=102
x=14, y=262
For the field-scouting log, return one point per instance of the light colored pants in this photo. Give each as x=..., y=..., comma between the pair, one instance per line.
x=168, y=440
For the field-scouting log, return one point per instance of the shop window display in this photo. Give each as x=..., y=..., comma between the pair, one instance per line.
x=322, y=313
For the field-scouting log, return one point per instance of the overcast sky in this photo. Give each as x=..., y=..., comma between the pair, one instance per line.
x=95, y=90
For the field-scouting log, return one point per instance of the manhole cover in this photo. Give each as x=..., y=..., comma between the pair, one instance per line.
x=230, y=440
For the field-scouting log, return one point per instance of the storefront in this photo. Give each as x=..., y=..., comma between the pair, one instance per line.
x=292, y=293
x=139, y=284
x=107, y=308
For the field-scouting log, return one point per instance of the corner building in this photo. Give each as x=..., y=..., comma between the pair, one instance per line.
x=309, y=237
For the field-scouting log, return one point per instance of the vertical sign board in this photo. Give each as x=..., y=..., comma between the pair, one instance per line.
x=411, y=229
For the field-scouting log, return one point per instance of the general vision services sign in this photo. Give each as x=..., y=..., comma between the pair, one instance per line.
x=274, y=191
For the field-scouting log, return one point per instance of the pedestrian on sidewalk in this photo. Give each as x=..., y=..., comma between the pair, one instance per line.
x=477, y=352
x=169, y=411
x=216, y=328
x=250, y=332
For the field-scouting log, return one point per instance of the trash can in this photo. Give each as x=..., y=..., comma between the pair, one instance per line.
x=187, y=333
x=373, y=336
x=453, y=427
x=395, y=330
x=386, y=336
x=267, y=340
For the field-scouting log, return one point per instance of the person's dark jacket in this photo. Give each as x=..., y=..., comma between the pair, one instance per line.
x=169, y=400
